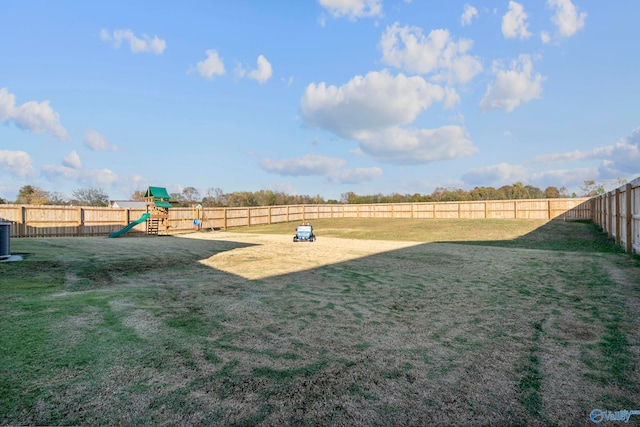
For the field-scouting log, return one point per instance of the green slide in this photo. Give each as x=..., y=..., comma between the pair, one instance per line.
x=143, y=218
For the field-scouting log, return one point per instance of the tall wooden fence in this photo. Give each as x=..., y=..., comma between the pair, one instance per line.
x=58, y=221
x=618, y=213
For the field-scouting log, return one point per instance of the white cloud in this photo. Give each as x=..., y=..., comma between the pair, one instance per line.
x=468, y=14
x=545, y=37
x=514, y=22
x=318, y=165
x=353, y=9
x=263, y=72
x=99, y=178
x=563, y=177
x=137, y=45
x=72, y=160
x=373, y=102
x=496, y=175
x=407, y=48
x=372, y=108
x=514, y=86
x=310, y=164
x=36, y=117
x=567, y=19
x=17, y=163
x=87, y=177
x=617, y=160
x=355, y=176
x=211, y=66
x=97, y=142
x=56, y=172
x=404, y=146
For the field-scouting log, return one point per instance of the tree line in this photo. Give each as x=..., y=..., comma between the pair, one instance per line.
x=32, y=195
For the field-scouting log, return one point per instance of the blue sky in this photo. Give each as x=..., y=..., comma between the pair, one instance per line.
x=317, y=96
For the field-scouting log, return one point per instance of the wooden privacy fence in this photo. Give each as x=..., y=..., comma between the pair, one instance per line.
x=59, y=221
x=618, y=213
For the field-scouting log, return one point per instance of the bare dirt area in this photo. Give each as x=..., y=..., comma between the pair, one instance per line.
x=250, y=328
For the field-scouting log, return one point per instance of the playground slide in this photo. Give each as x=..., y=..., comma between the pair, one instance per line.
x=143, y=218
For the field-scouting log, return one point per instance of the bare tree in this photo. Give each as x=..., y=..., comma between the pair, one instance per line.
x=91, y=197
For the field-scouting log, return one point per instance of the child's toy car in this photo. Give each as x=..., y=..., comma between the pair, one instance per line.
x=304, y=233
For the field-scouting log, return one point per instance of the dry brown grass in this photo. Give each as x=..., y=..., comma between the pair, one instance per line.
x=248, y=328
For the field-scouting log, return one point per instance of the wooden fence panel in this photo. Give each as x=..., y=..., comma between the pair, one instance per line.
x=618, y=214
x=501, y=209
x=48, y=221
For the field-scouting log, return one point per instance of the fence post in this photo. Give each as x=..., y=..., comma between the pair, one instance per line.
x=609, y=216
x=225, y=218
x=629, y=218
x=549, y=209
x=80, y=211
x=23, y=215
x=617, y=203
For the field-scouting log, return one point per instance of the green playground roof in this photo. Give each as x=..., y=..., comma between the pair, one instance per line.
x=160, y=204
x=157, y=193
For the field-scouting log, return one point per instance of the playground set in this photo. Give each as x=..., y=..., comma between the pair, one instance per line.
x=157, y=215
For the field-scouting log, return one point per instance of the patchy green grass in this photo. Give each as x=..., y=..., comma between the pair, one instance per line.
x=486, y=322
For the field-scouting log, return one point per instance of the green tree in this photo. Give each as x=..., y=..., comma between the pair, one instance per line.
x=551, y=193
x=32, y=195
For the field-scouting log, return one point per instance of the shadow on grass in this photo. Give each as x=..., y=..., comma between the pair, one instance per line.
x=572, y=236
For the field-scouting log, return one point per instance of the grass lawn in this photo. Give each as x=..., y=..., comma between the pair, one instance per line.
x=378, y=322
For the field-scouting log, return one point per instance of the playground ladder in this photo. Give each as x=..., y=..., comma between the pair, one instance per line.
x=152, y=226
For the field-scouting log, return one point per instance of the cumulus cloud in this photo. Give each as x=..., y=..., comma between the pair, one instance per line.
x=619, y=159
x=17, y=163
x=318, y=165
x=72, y=160
x=137, y=45
x=56, y=172
x=36, y=117
x=468, y=14
x=563, y=177
x=496, y=175
x=211, y=66
x=373, y=102
x=263, y=72
x=438, y=54
x=566, y=18
x=310, y=164
x=97, y=142
x=545, y=37
x=86, y=177
x=513, y=86
x=514, y=22
x=353, y=9
x=355, y=176
x=372, y=109
x=408, y=146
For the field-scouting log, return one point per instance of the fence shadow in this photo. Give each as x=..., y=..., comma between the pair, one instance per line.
x=570, y=236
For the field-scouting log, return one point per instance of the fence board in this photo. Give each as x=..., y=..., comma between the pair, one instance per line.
x=618, y=214
x=52, y=221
